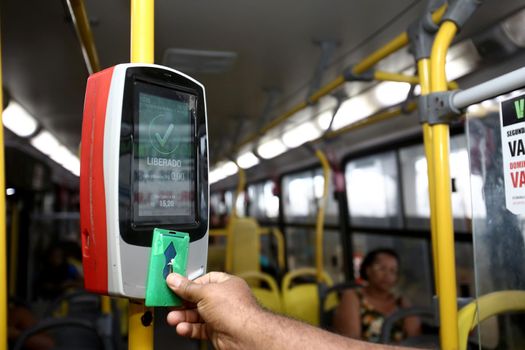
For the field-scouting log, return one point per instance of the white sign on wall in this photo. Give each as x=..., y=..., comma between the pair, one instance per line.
x=512, y=119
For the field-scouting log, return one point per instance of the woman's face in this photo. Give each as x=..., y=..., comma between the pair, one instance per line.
x=383, y=272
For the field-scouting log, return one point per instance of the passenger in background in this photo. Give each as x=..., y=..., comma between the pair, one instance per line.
x=362, y=311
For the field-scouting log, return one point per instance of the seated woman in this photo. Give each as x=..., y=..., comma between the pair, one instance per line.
x=362, y=311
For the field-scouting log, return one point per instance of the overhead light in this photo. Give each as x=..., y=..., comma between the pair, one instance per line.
x=301, y=134
x=390, y=93
x=229, y=168
x=18, y=120
x=324, y=119
x=45, y=142
x=271, y=149
x=10, y=191
x=247, y=160
x=64, y=157
x=215, y=176
x=351, y=111
x=461, y=59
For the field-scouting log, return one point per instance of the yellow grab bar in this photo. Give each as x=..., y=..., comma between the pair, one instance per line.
x=142, y=36
x=424, y=77
x=241, y=183
x=319, y=224
x=397, y=77
x=85, y=36
x=445, y=232
x=142, y=31
x=395, y=44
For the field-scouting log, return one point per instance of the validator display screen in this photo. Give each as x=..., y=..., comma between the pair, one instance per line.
x=164, y=183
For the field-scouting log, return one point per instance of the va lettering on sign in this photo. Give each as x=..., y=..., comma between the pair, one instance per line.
x=512, y=118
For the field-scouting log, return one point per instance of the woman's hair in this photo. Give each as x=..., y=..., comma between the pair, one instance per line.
x=370, y=259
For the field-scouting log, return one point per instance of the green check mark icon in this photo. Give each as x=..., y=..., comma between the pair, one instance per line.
x=164, y=139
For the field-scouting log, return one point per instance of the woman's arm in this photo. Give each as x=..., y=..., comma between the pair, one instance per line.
x=347, y=318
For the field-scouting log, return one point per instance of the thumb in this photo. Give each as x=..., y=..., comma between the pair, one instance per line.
x=185, y=288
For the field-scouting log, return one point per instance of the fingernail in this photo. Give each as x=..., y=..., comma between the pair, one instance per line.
x=174, y=280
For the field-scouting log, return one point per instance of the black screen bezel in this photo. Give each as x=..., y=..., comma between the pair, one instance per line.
x=139, y=232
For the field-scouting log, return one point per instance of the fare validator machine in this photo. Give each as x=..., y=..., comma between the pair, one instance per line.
x=143, y=181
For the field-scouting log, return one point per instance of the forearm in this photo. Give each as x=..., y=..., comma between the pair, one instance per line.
x=274, y=332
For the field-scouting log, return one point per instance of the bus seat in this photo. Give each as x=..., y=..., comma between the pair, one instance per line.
x=329, y=299
x=243, y=246
x=485, y=307
x=269, y=297
x=302, y=301
x=424, y=341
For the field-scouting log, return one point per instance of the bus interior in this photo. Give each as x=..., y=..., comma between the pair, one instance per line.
x=316, y=153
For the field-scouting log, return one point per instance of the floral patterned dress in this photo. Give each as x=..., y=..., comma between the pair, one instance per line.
x=372, y=321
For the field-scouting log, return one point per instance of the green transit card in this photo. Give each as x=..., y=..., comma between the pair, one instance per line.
x=169, y=253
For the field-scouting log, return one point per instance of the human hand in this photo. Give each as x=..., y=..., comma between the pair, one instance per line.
x=222, y=306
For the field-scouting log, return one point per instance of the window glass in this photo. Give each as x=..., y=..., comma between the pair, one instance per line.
x=300, y=245
x=302, y=193
x=415, y=185
x=415, y=276
x=299, y=197
x=372, y=191
x=263, y=204
x=239, y=205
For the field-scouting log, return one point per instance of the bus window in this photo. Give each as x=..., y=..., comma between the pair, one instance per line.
x=264, y=205
x=415, y=269
x=299, y=197
x=302, y=193
x=415, y=185
x=372, y=191
x=300, y=245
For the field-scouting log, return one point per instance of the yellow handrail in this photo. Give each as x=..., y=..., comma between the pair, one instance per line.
x=373, y=119
x=424, y=77
x=3, y=238
x=397, y=77
x=487, y=306
x=142, y=37
x=85, y=36
x=368, y=62
x=394, y=45
x=444, y=224
x=142, y=31
x=241, y=183
x=218, y=232
x=319, y=224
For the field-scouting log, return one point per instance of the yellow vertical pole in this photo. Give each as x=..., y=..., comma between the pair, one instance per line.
x=445, y=229
x=142, y=36
x=424, y=80
x=3, y=238
x=319, y=224
x=142, y=31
